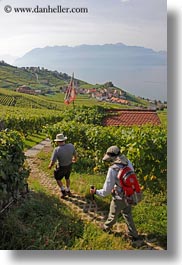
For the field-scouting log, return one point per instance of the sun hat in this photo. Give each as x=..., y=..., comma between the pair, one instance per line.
x=113, y=155
x=60, y=138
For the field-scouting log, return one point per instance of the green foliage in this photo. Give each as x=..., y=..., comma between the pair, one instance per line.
x=13, y=173
x=12, y=98
x=85, y=114
x=150, y=216
x=27, y=121
x=43, y=222
x=145, y=146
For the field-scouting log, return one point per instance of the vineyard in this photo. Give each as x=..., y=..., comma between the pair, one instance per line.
x=54, y=102
x=12, y=98
x=27, y=120
x=13, y=172
x=145, y=146
x=11, y=77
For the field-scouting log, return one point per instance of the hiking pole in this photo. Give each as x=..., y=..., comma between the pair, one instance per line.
x=93, y=205
x=92, y=195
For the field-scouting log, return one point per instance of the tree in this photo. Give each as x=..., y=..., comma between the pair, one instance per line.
x=108, y=84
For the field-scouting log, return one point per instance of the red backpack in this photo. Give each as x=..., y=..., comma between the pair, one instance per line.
x=130, y=185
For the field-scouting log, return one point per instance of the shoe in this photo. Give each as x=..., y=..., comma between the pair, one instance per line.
x=136, y=242
x=68, y=193
x=133, y=238
x=106, y=229
x=63, y=194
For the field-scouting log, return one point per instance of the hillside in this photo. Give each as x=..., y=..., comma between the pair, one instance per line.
x=37, y=78
x=139, y=70
x=48, y=83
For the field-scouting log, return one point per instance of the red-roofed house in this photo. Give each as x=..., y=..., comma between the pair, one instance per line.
x=129, y=117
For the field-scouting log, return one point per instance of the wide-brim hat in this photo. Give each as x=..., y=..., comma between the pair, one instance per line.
x=113, y=155
x=60, y=138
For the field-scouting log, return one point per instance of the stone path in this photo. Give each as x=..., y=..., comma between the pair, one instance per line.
x=32, y=152
x=85, y=209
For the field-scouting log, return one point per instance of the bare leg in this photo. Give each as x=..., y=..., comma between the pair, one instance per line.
x=62, y=189
x=68, y=184
x=60, y=183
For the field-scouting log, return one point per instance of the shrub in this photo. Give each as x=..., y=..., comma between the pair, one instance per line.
x=13, y=173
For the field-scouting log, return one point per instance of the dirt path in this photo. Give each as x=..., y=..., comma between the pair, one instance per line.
x=85, y=209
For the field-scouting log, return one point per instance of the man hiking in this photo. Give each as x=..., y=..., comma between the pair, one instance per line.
x=65, y=155
x=112, y=186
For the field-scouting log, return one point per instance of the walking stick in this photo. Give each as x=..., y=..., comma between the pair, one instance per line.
x=92, y=195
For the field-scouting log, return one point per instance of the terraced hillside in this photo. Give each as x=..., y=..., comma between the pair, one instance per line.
x=12, y=98
x=12, y=77
x=47, y=83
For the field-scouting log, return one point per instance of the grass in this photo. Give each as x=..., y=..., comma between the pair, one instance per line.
x=33, y=139
x=150, y=215
x=43, y=222
x=163, y=117
x=40, y=222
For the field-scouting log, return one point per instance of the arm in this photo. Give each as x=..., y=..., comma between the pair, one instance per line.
x=108, y=185
x=75, y=158
x=53, y=159
x=51, y=164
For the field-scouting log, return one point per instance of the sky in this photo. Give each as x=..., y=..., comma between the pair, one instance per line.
x=132, y=22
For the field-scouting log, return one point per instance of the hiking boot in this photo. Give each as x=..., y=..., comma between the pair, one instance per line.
x=68, y=193
x=63, y=194
x=131, y=237
x=106, y=229
x=136, y=242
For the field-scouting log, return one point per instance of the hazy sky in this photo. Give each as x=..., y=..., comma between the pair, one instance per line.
x=132, y=22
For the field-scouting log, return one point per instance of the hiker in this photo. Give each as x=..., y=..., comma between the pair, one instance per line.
x=112, y=186
x=65, y=155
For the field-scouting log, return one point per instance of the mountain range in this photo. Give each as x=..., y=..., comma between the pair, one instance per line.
x=138, y=70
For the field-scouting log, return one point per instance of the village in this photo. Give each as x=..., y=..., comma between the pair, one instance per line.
x=106, y=92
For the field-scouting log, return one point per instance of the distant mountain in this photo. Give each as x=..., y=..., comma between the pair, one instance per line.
x=138, y=70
